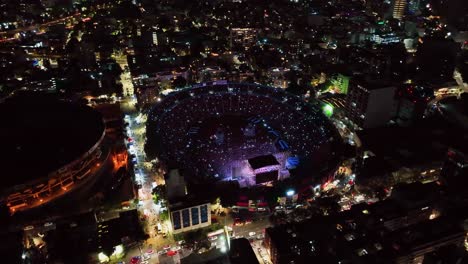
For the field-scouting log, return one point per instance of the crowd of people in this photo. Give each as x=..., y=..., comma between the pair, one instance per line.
x=174, y=123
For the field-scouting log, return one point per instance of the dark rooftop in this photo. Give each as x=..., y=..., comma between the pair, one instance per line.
x=266, y=176
x=263, y=161
x=456, y=110
x=42, y=133
x=423, y=143
x=241, y=252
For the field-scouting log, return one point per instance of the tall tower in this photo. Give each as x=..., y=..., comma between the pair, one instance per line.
x=399, y=7
x=413, y=6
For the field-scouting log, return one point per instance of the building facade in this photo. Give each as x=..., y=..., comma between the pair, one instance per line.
x=370, y=105
x=190, y=218
x=399, y=7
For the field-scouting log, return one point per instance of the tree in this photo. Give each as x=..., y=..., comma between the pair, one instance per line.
x=462, y=65
x=179, y=82
x=249, y=79
x=155, y=198
x=217, y=200
x=71, y=45
x=206, y=77
x=160, y=190
x=164, y=215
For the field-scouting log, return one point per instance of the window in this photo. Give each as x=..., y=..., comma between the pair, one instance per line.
x=204, y=213
x=195, y=216
x=186, y=217
x=176, y=220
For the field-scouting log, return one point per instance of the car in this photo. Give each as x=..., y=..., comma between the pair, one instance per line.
x=213, y=238
x=28, y=228
x=135, y=260
x=48, y=224
x=167, y=247
x=150, y=251
x=238, y=222
x=251, y=233
x=146, y=257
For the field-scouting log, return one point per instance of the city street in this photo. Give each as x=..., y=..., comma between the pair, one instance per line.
x=145, y=178
x=125, y=77
x=260, y=252
x=256, y=227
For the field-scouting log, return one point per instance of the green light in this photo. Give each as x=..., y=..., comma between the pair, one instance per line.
x=118, y=250
x=381, y=22
x=103, y=258
x=328, y=110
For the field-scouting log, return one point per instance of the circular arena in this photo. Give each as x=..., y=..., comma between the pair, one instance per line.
x=249, y=133
x=50, y=147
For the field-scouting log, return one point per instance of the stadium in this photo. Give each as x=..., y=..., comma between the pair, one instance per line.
x=248, y=133
x=51, y=147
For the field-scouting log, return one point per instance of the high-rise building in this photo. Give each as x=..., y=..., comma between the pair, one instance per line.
x=370, y=104
x=399, y=7
x=155, y=38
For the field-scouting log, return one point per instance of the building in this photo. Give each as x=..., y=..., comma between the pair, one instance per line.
x=413, y=7
x=266, y=168
x=405, y=228
x=278, y=77
x=88, y=234
x=399, y=8
x=409, y=111
x=72, y=158
x=386, y=38
x=176, y=186
x=189, y=113
x=240, y=252
x=112, y=116
x=147, y=96
x=370, y=103
x=187, y=216
x=455, y=169
x=153, y=79
x=214, y=73
x=186, y=213
x=244, y=37
x=412, y=103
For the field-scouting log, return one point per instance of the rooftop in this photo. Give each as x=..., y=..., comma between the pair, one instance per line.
x=43, y=126
x=263, y=161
